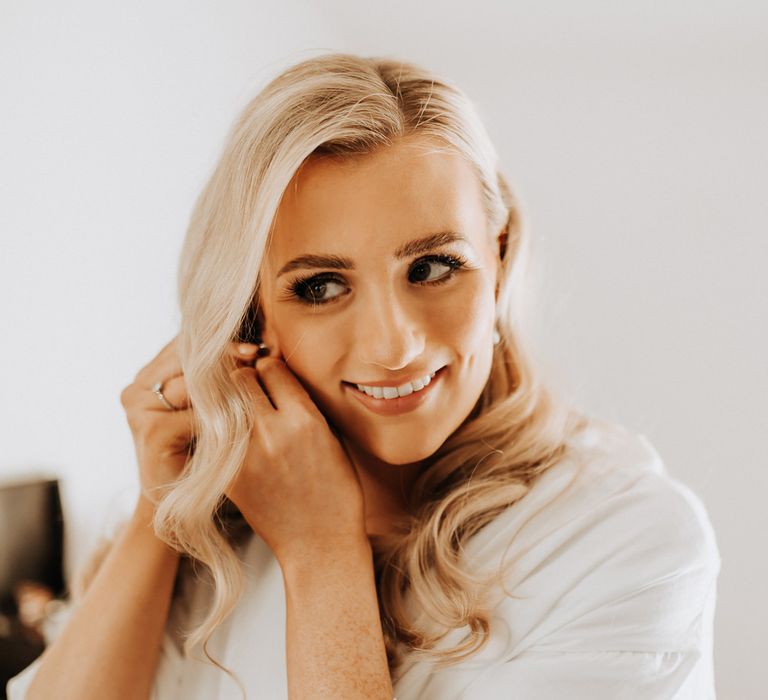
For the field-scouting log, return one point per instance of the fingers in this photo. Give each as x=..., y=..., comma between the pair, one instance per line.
x=166, y=367
x=173, y=430
x=156, y=424
x=245, y=353
x=138, y=396
x=165, y=437
x=281, y=384
x=175, y=392
x=161, y=368
x=247, y=376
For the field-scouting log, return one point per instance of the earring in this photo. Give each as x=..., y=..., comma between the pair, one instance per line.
x=262, y=350
x=496, y=335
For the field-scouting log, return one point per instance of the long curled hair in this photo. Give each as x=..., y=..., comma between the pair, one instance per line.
x=344, y=106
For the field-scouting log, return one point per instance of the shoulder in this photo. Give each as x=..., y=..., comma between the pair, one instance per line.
x=609, y=585
x=607, y=545
x=610, y=488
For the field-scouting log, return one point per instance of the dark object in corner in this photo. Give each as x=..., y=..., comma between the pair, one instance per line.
x=31, y=548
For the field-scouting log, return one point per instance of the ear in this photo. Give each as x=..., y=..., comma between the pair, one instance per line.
x=502, y=241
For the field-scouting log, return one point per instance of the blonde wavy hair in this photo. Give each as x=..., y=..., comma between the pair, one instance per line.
x=343, y=106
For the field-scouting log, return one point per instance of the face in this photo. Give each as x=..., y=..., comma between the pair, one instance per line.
x=385, y=305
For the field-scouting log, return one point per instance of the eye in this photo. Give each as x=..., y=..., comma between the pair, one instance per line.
x=318, y=289
x=424, y=267
x=314, y=289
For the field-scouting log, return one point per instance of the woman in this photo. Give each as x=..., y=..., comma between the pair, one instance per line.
x=354, y=482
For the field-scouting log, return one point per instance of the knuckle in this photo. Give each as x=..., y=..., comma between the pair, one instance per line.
x=261, y=400
x=304, y=423
x=126, y=396
x=243, y=376
x=267, y=443
x=242, y=373
x=268, y=364
x=142, y=373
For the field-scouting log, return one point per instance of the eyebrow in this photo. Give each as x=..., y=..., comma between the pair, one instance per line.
x=340, y=262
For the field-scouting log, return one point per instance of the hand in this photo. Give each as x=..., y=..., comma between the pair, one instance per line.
x=162, y=437
x=297, y=487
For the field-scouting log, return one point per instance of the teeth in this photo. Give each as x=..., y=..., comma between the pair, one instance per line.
x=392, y=392
x=405, y=389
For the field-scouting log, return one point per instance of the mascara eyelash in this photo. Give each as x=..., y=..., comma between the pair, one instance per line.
x=293, y=293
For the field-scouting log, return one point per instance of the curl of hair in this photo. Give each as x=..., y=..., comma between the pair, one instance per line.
x=344, y=106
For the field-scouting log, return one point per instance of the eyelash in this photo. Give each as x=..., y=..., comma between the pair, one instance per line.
x=294, y=292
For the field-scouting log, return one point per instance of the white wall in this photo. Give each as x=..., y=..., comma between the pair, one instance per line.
x=634, y=132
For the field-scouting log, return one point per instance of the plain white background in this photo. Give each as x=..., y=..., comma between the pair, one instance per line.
x=635, y=134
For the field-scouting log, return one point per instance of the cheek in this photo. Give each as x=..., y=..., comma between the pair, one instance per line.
x=312, y=353
x=456, y=329
x=462, y=322
x=307, y=347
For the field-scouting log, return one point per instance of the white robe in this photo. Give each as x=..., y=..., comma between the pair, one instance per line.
x=613, y=596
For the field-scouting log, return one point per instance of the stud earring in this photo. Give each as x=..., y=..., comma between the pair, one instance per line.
x=262, y=350
x=496, y=335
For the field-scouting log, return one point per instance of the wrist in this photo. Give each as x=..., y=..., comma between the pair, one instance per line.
x=326, y=555
x=143, y=511
x=141, y=524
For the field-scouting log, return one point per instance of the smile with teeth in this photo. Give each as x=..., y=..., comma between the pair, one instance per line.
x=393, y=392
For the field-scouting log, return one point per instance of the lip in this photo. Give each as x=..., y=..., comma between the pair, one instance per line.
x=402, y=404
x=396, y=382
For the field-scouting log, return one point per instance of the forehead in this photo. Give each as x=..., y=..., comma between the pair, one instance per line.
x=370, y=204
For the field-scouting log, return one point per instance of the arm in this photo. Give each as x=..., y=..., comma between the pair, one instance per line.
x=110, y=645
x=334, y=641
x=299, y=492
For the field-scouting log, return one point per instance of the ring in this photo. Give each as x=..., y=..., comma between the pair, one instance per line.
x=157, y=389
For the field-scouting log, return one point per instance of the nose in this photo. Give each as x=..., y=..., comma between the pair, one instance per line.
x=390, y=332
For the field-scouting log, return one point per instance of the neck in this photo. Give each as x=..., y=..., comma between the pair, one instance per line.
x=385, y=487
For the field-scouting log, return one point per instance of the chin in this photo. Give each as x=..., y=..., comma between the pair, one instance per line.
x=401, y=454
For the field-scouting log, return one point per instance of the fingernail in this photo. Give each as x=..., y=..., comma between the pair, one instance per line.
x=263, y=350
x=245, y=349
